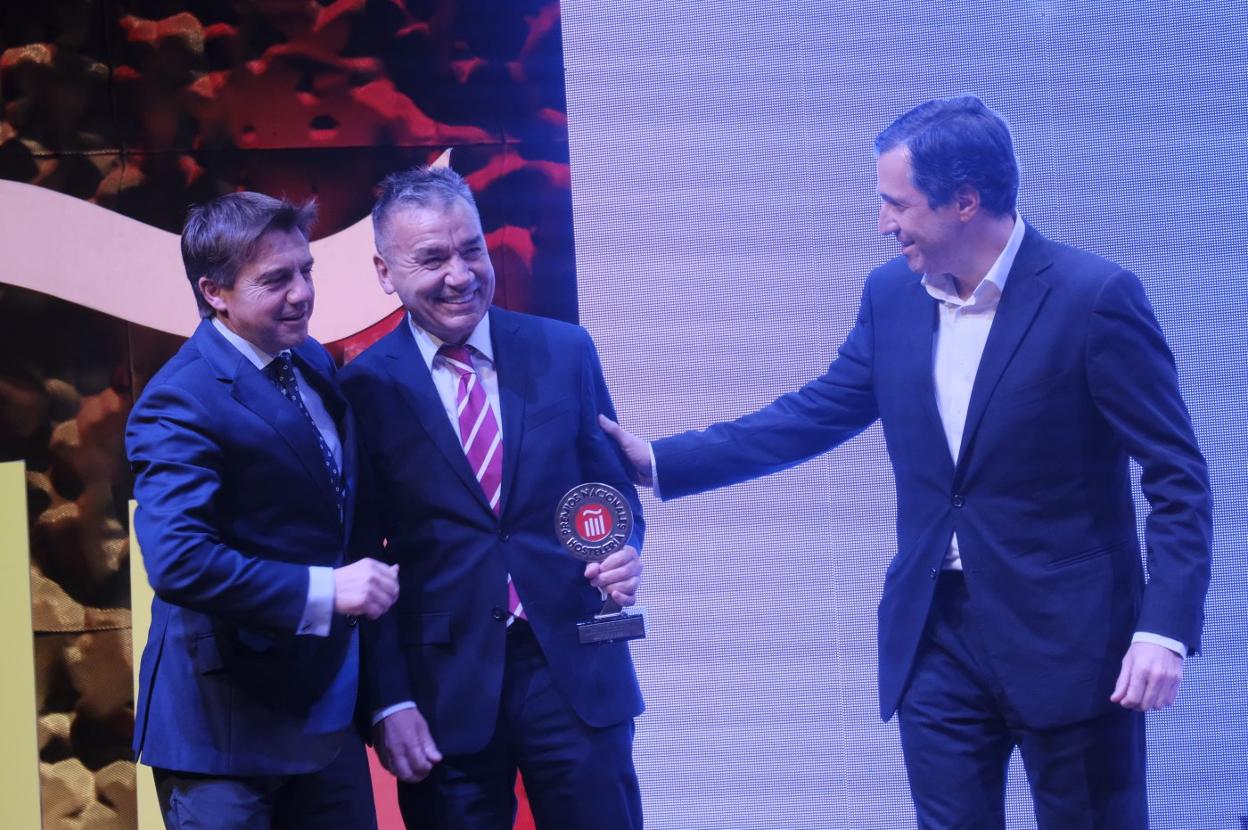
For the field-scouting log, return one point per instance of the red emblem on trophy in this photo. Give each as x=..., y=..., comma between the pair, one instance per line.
x=593, y=522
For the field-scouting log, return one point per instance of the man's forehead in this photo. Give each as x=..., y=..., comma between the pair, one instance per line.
x=437, y=211
x=285, y=242
x=436, y=230
x=896, y=159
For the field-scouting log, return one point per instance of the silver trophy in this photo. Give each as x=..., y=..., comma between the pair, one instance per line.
x=593, y=521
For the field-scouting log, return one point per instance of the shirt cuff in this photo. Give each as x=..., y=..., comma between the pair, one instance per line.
x=382, y=714
x=319, y=612
x=654, y=473
x=1158, y=640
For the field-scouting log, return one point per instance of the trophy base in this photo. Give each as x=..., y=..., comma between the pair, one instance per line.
x=612, y=628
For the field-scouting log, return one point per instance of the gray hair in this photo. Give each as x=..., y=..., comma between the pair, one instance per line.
x=220, y=236
x=420, y=187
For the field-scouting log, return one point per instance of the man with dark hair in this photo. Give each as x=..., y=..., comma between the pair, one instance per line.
x=244, y=458
x=1014, y=377
x=475, y=422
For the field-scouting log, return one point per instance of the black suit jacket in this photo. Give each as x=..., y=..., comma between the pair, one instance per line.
x=1076, y=379
x=443, y=642
x=234, y=504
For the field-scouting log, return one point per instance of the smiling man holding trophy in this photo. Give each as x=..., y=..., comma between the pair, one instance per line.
x=475, y=422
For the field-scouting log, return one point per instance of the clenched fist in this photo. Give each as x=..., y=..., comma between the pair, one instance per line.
x=366, y=588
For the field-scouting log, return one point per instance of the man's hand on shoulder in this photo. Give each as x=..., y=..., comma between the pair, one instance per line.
x=405, y=745
x=635, y=450
x=365, y=588
x=1149, y=679
x=618, y=576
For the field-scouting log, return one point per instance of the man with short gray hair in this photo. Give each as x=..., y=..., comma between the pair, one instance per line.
x=475, y=422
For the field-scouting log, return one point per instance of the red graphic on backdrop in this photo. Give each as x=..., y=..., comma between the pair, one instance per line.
x=145, y=108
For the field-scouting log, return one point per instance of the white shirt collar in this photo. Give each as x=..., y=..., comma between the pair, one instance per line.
x=479, y=340
x=988, y=292
x=258, y=356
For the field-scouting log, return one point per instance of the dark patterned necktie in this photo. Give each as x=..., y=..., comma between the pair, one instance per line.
x=282, y=372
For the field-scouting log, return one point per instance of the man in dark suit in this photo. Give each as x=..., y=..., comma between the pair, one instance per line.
x=475, y=422
x=1014, y=378
x=244, y=458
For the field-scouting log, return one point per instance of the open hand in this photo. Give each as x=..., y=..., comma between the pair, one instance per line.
x=1149, y=679
x=635, y=450
x=405, y=746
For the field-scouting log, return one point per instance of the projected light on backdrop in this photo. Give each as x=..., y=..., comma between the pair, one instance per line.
x=724, y=201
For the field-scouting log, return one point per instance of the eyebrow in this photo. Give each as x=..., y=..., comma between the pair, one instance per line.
x=280, y=270
x=892, y=200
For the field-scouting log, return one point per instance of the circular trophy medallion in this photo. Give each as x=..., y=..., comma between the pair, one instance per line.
x=593, y=521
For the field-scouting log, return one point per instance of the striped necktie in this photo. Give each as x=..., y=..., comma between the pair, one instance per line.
x=482, y=440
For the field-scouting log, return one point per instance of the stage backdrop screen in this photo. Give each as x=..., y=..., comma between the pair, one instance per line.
x=725, y=217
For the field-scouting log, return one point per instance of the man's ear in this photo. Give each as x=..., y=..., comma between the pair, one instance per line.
x=966, y=200
x=212, y=295
x=383, y=273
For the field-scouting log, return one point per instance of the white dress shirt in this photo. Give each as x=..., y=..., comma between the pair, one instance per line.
x=318, y=612
x=958, y=344
x=446, y=381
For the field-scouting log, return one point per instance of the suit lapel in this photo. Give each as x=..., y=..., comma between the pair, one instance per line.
x=407, y=367
x=257, y=393
x=918, y=331
x=1024, y=293
x=511, y=360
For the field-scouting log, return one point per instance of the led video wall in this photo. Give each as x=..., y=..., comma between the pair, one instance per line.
x=725, y=217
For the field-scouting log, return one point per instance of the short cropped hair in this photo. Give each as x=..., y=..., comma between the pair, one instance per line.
x=419, y=187
x=955, y=142
x=220, y=236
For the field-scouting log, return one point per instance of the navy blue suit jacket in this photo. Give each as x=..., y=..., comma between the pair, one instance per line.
x=1076, y=378
x=442, y=644
x=234, y=504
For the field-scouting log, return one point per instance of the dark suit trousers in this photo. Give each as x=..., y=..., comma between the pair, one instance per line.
x=958, y=731
x=338, y=797
x=576, y=777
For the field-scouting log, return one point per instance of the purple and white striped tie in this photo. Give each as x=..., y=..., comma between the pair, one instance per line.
x=482, y=441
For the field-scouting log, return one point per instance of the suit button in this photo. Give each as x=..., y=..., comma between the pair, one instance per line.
x=353, y=621
x=503, y=536
x=958, y=501
x=932, y=573
x=498, y=614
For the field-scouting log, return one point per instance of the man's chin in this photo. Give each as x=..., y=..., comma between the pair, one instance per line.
x=455, y=328
x=293, y=336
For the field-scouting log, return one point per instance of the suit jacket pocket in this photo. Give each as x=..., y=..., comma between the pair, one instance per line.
x=548, y=413
x=1034, y=391
x=207, y=654
x=425, y=629
x=1084, y=556
x=255, y=641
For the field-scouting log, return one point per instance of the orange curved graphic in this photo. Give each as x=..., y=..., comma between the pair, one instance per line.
x=67, y=248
